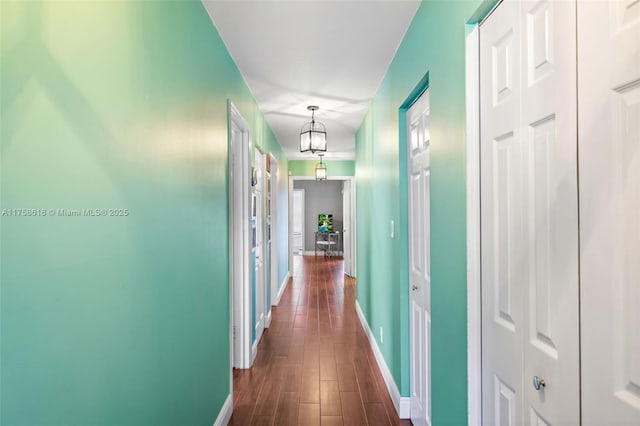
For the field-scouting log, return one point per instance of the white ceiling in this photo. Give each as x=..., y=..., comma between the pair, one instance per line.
x=333, y=54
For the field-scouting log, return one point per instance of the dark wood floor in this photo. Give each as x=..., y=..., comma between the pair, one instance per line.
x=314, y=364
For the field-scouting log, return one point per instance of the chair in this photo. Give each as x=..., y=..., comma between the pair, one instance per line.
x=327, y=242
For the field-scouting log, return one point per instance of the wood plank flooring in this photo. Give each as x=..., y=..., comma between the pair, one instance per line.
x=314, y=364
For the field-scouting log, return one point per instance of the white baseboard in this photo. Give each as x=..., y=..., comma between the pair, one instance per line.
x=402, y=404
x=309, y=252
x=254, y=352
x=283, y=287
x=225, y=412
x=267, y=321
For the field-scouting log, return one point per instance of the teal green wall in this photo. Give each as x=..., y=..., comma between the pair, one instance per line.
x=433, y=44
x=282, y=212
x=117, y=320
x=334, y=167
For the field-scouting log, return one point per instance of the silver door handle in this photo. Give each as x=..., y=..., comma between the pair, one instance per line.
x=414, y=287
x=538, y=383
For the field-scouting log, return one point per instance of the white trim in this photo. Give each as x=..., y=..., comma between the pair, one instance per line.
x=402, y=404
x=290, y=223
x=267, y=320
x=239, y=244
x=283, y=287
x=273, y=279
x=224, y=416
x=309, y=253
x=254, y=351
x=293, y=177
x=474, y=299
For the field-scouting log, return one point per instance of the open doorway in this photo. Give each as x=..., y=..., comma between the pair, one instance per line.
x=333, y=200
x=259, y=249
x=417, y=118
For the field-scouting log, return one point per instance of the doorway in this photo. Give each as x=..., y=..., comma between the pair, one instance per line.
x=418, y=168
x=348, y=248
x=302, y=234
x=259, y=249
x=272, y=232
x=239, y=240
x=297, y=221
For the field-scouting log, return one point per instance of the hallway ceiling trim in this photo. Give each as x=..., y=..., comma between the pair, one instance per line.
x=333, y=54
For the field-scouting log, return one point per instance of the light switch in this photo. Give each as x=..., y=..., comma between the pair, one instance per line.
x=393, y=230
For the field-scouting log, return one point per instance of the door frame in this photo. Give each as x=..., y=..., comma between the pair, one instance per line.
x=273, y=280
x=259, y=164
x=349, y=267
x=418, y=90
x=474, y=295
x=351, y=179
x=304, y=195
x=239, y=291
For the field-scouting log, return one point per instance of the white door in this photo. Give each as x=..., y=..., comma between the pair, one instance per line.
x=260, y=246
x=609, y=155
x=298, y=221
x=346, y=226
x=529, y=215
x=418, y=141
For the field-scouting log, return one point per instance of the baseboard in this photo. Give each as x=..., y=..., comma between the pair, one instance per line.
x=267, y=321
x=283, y=287
x=309, y=252
x=402, y=404
x=254, y=352
x=225, y=412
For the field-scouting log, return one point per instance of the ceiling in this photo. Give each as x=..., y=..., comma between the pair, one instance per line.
x=333, y=54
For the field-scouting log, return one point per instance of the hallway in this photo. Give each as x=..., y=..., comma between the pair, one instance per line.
x=314, y=364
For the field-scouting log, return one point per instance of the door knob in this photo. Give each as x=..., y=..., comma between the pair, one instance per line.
x=538, y=383
x=414, y=287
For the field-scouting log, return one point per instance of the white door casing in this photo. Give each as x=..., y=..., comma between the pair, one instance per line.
x=273, y=287
x=418, y=146
x=239, y=240
x=297, y=229
x=609, y=156
x=346, y=226
x=529, y=214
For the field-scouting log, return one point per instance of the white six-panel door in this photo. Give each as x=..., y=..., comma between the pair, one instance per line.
x=418, y=142
x=609, y=138
x=529, y=215
x=501, y=217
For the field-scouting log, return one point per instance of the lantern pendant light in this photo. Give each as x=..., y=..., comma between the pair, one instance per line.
x=321, y=170
x=313, y=136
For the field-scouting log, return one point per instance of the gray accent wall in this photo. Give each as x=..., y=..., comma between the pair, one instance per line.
x=320, y=197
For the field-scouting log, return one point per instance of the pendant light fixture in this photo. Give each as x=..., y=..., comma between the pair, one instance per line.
x=321, y=170
x=313, y=136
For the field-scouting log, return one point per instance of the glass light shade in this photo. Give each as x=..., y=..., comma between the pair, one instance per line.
x=313, y=138
x=321, y=172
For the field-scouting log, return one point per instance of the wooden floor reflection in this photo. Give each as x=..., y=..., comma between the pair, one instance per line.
x=314, y=364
